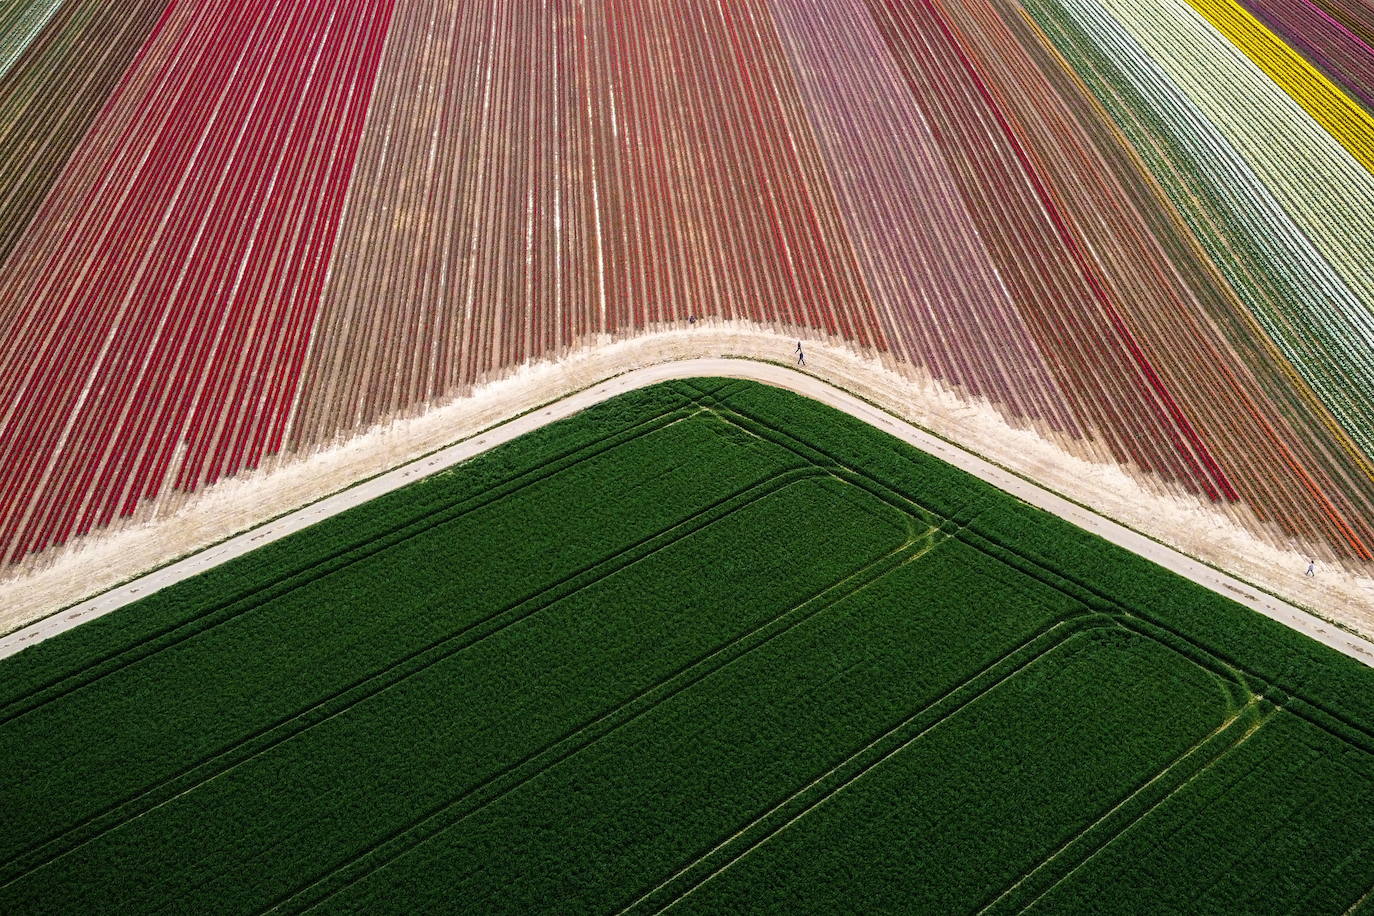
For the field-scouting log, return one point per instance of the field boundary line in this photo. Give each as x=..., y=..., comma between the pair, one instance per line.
x=818, y=456
x=1359, y=901
x=258, y=538
x=1247, y=721
x=769, y=373
x=399, y=670
x=1250, y=731
x=1091, y=596
x=366, y=547
x=1086, y=593
x=998, y=671
x=1299, y=703
x=874, y=571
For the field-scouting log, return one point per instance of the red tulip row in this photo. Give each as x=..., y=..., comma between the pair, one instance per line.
x=926, y=179
x=165, y=293
x=53, y=93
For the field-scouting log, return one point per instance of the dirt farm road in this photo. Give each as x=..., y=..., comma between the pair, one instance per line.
x=768, y=373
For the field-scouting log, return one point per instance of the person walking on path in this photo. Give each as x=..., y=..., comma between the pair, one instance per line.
x=801, y=357
x=1311, y=569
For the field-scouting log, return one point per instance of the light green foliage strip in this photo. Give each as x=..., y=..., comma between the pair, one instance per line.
x=20, y=23
x=1316, y=179
x=1305, y=306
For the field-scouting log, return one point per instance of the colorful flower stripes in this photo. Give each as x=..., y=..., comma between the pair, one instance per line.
x=1336, y=112
x=1143, y=229
x=159, y=305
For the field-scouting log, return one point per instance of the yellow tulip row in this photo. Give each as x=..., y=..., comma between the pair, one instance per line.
x=1336, y=112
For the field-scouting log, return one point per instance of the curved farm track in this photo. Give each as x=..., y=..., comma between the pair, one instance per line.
x=1185, y=536
x=238, y=241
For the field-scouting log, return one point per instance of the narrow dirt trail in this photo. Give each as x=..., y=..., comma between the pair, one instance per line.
x=803, y=383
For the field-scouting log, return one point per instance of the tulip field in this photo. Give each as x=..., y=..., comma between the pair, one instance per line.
x=704, y=647
x=236, y=233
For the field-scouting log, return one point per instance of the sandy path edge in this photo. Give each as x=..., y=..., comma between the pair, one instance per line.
x=484, y=420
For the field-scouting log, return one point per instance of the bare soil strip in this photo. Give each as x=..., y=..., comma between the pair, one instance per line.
x=242, y=514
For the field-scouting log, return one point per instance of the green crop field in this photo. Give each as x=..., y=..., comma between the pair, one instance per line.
x=708, y=647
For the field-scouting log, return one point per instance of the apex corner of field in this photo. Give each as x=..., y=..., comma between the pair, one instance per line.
x=708, y=643
x=720, y=456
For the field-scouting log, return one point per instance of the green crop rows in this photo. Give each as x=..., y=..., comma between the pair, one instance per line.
x=709, y=647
